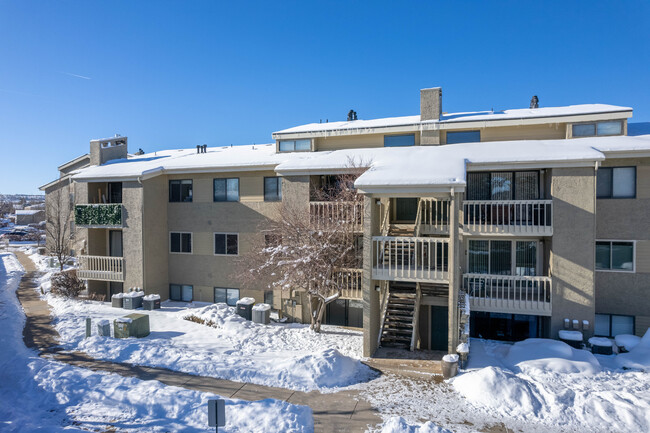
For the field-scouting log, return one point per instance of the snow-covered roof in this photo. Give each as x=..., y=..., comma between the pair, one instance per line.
x=229, y=158
x=28, y=212
x=441, y=167
x=450, y=118
x=415, y=167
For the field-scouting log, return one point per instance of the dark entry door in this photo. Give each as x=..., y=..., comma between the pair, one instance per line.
x=439, y=328
x=115, y=243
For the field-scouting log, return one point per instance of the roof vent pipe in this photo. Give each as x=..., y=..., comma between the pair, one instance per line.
x=534, y=102
x=205, y=148
x=198, y=149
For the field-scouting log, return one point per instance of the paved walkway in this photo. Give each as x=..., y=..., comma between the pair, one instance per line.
x=343, y=411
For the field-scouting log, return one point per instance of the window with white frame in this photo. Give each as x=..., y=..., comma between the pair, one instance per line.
x=180, y=190
x=180, y=242
x=611, y=325
x=181, y=292
x=226, y=189
x=498, y=257
x=272, y=188
x=226, y=244
x=226, y=296
x=616, y=182
x=609, y=127
x=294, y=145
x=615, y=256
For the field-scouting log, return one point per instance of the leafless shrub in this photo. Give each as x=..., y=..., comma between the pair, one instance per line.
x=67, y=284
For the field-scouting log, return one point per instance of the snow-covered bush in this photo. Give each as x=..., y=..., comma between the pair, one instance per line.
x=67, y=284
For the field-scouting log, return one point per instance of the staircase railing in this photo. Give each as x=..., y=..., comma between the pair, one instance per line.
x=383, y=307
x=415, y=336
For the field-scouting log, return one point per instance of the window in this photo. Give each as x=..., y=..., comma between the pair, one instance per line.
x=399, y=140
x=272, y=240
x=503, y=185
x=226, y=189
x=180, y=190
x=615, y=256
x=180, y=242
x=226, y=244
x=463, y=137
x=495, y=257
x=226, y=296
x=294, y=145
x=181, y=292
x=611, y=325
x=272, y=188
x=616, y=182
x=611, y=127
x=268, y=297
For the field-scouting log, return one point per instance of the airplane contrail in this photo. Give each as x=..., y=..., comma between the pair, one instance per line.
x=75, y=75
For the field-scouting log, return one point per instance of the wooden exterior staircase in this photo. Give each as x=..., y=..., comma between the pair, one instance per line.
x=400, y=317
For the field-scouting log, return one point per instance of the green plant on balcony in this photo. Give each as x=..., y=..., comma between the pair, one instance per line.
x=98, y=215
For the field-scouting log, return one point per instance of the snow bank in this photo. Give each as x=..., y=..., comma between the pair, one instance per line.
x=499, y=389
x=549, y=382
x=639, y=357
x=550, y=356
x=627, y=341
x=398, y=424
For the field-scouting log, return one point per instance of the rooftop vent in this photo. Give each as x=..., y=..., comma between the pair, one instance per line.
x=534, y=102
x=201, y=148
x=352, y=115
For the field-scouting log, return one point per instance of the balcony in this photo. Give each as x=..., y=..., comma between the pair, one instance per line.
x=98, y=215
x=415, y=259
x=509, y=294
x=328, y=215
x=508, y=217
x=102, y=268
x=350, y=280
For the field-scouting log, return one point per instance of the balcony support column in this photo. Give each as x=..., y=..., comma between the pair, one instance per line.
x=453, y=271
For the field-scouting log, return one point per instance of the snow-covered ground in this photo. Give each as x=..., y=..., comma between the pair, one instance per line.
x=39, y=394
x=532, y=386
x=288, y=356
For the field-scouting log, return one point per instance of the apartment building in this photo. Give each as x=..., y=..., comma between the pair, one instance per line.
x=502, y=224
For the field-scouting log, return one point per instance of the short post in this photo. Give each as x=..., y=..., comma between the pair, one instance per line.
x=216, y=413
x=87, y=327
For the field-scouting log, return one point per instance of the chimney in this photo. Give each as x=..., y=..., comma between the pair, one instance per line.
x=431, y=103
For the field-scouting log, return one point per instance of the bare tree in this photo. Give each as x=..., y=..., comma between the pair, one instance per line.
x=310, y=251
x=59, y=227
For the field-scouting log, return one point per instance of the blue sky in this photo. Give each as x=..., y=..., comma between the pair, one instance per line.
x=176, y=74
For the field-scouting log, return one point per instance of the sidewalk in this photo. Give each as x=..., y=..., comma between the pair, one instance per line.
x=343, y=411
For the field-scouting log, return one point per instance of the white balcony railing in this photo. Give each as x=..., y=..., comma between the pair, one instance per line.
x=326, y=215
x=350, y=280
x=433, y=216
x=103, y=268
x=509, y=294
x=517, y=217
x=406, y=258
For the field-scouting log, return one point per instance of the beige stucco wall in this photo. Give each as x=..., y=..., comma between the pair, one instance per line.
x=203, y=217
x=357, y=141
x=627, y=293
x=132, y=234
x=155, y=236
x=572, y=254
x=67, y=192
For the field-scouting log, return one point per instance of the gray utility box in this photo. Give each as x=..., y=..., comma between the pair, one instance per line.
x=133, y=325
x=132, y=302
x=117, y=300
x=104, y=328
x=245, y=308
x=262, y=314
x=151, y=304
